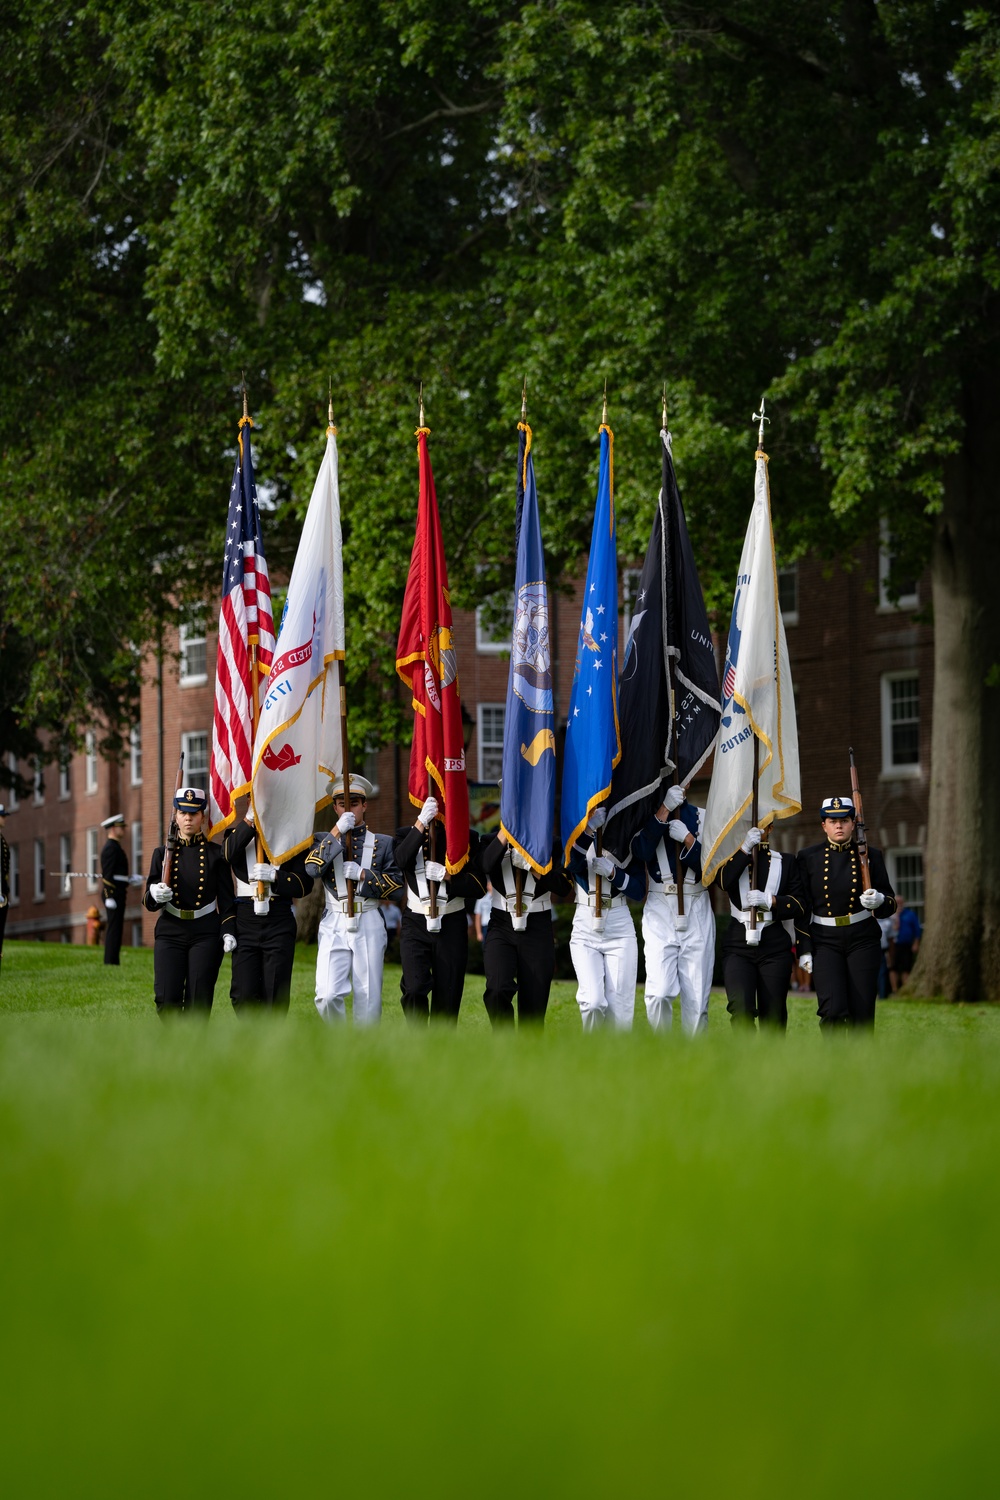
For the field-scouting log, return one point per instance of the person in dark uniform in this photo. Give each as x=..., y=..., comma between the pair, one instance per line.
x=757, y=963
x=845, y=937
x=114, y=886
x=265, y=927
x=519, y=952
x=434, y=951
x=351, y=949
x=4, y=877
x=197, y=910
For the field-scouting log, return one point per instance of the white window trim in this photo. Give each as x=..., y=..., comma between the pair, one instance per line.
x=90, y=761
x=12, y=801
x=134, y=744
x=65, y=785
x=485, y=645
x=188, y=635
x=15, y=874
x=186, y=739
x=93, y=858
x=887, y=606
x=65, y=861
x=37, y=794
x=891, y=772
x=789, y=616
x=480, y=747
x=136, y=855
x=39, y=869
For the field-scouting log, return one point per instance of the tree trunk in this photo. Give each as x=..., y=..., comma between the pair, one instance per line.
x=960, y=951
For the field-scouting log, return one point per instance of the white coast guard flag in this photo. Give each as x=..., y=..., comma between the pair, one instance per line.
x=756, y=697
x=298, y=744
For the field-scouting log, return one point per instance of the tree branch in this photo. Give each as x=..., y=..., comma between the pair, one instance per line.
x=451, y=113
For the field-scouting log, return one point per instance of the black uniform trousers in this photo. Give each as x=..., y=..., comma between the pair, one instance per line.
x=434, y=966
x=265, y=953
x=757, y=978
x=113, y=931
x=186, y=961
x=846, y=962
x=518, y=963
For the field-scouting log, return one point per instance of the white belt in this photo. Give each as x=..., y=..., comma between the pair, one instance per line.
x=190, y=916
x=414, y=903
x=587, y=898
x=360, y=905
x=528, y=908
x=669, y=888
x=763, y=917
x=849, y=921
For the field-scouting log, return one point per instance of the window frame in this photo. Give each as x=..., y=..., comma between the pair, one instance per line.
x=887, y=605
x=65, y=862
x=482, y=747
x=186, y=738
x=15, y=874
x=65, y=782
x=788, y=616
x=135, y=848
x=485, y=644
x=92, y=865
x=135, y=755
x=12, y=799
x=890, y=770
x=39, y=869
x=90, y=762
x=187, y=636
x=908, y=851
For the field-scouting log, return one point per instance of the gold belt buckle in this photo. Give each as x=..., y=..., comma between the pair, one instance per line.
x=842, y=921
x=186, y=916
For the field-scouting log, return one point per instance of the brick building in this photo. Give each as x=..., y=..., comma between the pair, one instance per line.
x=862, y=668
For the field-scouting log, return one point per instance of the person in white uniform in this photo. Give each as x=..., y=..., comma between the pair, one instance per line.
x=603, y=947
x=679, y=950
x=352, y=948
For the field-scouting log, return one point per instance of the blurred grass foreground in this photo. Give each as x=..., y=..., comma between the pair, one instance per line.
x=270, y=1259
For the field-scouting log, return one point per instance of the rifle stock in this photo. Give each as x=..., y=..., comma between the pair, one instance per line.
x=172, y=833
x=861, y=833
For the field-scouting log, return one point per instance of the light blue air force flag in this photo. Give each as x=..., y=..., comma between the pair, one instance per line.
x=528, y=788
x=593, y=741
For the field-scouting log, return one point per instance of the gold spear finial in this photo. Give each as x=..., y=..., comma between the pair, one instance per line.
x=664, y=423
x=604, y=413
x=421, y=422
x=329, y=412
x=246, y=412
x=758, y=416
x=524, y=400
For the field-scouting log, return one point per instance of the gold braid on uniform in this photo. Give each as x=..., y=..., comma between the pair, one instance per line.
x=849, y=846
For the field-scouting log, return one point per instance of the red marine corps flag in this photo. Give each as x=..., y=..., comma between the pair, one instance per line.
x=426, y=662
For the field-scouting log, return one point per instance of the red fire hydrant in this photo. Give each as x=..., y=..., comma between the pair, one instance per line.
x=95, y=927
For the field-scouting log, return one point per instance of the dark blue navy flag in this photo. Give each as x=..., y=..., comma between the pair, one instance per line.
x=664, y=723
x=593, y=743
x=528, y=786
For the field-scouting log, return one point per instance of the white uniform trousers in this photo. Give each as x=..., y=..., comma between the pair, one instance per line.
x=350, y=960
x=678, y=963
x=606, y=963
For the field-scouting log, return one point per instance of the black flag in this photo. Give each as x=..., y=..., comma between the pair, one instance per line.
x=669, y=624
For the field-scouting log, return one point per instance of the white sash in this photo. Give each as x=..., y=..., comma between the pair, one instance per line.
x=770, y=889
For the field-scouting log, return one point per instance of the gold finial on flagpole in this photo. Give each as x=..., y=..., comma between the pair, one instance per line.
x=421, y=422
x=246, y=412
x=330, y=428
x=604, y=413
x=524, y=400
x=758, y=416
x=664, y=424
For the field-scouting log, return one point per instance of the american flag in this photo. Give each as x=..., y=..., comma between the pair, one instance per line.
x=245, y=623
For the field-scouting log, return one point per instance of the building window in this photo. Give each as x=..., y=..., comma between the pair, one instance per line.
x=12, y=803
x=195, y=747
x=39, y=869
x=136, y=848
x=65, y=791
x=788, y=593
x=15, y=874
x=495, y=624
x=630, y=590
x=90, y=759
x=906, y=871
x=135, y=755
x=65, y=861
x=900, y=724
x=895, y=590
x=370, y=771
x=91, y=859
x=38, y=786
x=194, y=669
x=490, y=740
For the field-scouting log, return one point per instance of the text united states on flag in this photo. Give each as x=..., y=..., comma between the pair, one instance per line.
x=245, y=622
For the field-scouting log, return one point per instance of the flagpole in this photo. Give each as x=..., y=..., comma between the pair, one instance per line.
x=758, y=416
x=599, y=835
x=262, y=896
x=331, y=431
x=432, y=885
x=673, y=704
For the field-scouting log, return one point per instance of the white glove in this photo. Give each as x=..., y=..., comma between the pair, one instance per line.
x=352, y=871
x=435, y=871
x=345, y=822
x=598, y=817
x=675, y=796
x=262, y=871
x=758, y=898
x=229, y=943
x=518, y=860
x=110, y=903
x=136, y=880
x=249, y=816
x=428, y=812
x=806, y=963
x=601, y=864
x=678, y=830
x=161, y=893
x=751, y=841
x=871, y=898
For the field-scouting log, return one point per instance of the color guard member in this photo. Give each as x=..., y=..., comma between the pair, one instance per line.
x=757, y=962
x=265, y=927
x=604, y=948
x=519, y=952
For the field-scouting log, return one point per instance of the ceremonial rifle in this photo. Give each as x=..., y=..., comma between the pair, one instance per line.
x=172, y=831
x=859, y=823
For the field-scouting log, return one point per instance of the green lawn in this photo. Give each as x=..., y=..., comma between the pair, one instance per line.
x=278, y=1258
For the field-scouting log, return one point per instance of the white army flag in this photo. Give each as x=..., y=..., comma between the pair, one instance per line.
x=298, y=746
x=756, y=699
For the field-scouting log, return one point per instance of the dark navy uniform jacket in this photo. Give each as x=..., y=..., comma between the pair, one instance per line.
x=470, y=882
x=644, y=845
x=200, y=875
x=629, y=881
x=832, y=883
x=555, y=882
x=291, y=881
x=790, y=903
x=114, y=871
